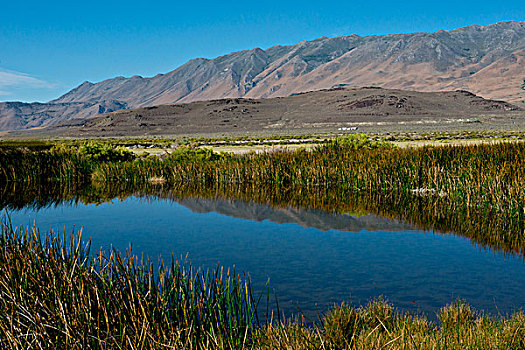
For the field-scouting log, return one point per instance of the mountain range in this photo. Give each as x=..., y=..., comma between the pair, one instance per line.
x=486, y=60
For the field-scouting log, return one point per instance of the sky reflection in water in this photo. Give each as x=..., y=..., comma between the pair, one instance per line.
x=313, y=258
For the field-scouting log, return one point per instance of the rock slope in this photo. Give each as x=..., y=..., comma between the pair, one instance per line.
x=324, y=110
x=486, y=60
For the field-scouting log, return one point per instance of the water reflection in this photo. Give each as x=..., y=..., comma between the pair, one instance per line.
x=321, y=208
x=315, y=218
x=317, y=247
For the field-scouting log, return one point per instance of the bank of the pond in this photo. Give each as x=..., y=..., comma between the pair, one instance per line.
x=489, y=176
x=481, y=181
x=55, y=295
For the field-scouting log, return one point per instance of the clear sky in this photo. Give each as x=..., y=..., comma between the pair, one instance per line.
x=49, y=47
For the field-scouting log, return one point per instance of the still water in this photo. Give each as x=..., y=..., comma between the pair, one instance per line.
x=311, y=258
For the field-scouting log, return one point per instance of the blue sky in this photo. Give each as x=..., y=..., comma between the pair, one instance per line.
x=49, y=47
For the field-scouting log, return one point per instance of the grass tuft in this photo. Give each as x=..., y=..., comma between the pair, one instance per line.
x=54, y=294
x=458, y=314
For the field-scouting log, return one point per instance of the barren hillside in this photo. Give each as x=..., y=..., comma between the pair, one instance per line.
x=327, y=110
x=487, y=60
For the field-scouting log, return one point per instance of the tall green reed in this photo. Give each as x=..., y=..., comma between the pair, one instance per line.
x=53, y=293
x=490, y=176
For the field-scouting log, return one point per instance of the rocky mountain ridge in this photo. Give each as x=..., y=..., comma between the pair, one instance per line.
x=486, y=60
x=20, y=115
x=444, y=60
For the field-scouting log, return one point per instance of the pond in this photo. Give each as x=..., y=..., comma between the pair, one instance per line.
x=311, y=258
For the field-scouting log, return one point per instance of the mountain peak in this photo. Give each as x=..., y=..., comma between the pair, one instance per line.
x=425, y=61
x=487, y=60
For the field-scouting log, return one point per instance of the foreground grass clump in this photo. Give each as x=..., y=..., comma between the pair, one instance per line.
x=55, y=295
x=377, y=326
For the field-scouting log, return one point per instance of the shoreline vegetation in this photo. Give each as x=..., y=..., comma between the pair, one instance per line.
x=473, y=176
x=53, y=292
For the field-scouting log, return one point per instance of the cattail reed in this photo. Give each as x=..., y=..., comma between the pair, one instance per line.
x=55, y=294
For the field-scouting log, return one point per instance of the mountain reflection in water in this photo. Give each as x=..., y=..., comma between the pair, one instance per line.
x=317, y=247
x=319, y=219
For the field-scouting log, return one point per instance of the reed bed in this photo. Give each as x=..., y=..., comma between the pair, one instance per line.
x=490, y=176
x=54, y=294
x=39, y=167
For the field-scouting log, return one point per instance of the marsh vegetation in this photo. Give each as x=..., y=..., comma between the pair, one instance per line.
x=477, y=176
x=54, y=291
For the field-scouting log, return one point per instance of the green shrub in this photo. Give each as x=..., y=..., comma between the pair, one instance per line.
x=186, y=153
x=63, y=148
x=105, y=153
x=355, y=142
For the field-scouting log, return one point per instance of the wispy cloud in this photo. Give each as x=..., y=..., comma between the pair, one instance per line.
x=11, y=79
